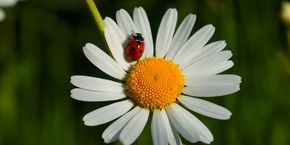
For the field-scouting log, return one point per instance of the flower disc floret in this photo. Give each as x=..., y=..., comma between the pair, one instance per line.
x=154, y=83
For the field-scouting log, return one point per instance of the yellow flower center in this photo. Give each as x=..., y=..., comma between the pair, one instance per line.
x=154, y=83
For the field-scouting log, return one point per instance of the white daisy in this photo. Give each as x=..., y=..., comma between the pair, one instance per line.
x=5, y=3
x=178, y=72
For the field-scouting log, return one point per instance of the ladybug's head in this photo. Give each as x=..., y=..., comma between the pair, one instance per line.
x=138, y=37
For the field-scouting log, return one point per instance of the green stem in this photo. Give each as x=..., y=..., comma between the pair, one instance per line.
x=99, y=21
x=96, y=15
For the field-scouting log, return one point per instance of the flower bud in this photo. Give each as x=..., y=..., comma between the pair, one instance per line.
x=285, y=13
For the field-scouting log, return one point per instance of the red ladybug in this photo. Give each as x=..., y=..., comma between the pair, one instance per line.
x=135, y=47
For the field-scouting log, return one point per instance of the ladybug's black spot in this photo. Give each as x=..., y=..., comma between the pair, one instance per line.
x=133, y=49
x=141, y=51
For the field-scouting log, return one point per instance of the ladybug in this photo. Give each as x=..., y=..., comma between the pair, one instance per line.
x=135, y=47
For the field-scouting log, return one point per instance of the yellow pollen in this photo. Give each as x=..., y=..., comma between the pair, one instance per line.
x=154, y=83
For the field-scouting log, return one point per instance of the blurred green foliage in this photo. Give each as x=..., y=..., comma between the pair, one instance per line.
x=41, y=47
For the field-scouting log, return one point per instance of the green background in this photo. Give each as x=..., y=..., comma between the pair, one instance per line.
x=41, y=47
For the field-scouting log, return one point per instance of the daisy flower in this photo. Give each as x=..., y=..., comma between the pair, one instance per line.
x=168, y=80
x=5, y=3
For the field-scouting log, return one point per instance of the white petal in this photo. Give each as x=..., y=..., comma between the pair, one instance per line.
x=125, y=22
x=194, y=44
x=93, y=96
x=205, y=108
x=215, y=80
x=211, y=69
x=181, y=36
x=165, y=32
x=104, y=62
x=210, y=65
x=159, y=126
x=116, y=48
x=122, y=36
x=2, y=15
x=210, y=86
x=188, y=125
x=182, y=124
x=210, y=49
x=173, y=136
x=112, y=133
x=206, y=51
x=96, y=84
x=134, y=128
x=143, y=26
x=107, y=113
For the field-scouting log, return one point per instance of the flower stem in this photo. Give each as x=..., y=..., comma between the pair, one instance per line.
x=99, y=21
x=96, y=15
